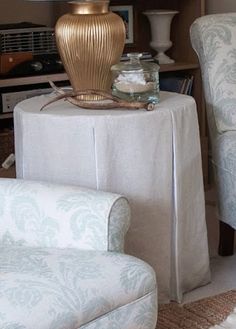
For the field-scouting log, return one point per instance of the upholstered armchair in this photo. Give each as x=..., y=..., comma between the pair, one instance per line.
x=62, y=264
x=214, y=40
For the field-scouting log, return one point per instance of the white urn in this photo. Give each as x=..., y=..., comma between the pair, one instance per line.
x=160, y=22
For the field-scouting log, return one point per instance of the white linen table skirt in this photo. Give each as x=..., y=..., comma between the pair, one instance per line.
x=153, y=158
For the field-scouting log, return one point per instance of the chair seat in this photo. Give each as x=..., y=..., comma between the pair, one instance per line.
x=45, y=288
x=224, y=159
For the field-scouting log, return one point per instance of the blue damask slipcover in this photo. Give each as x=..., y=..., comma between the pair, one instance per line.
x=62, y=264
x=214, y=39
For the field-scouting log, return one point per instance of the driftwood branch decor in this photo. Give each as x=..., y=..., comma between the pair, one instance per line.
x=114, y=102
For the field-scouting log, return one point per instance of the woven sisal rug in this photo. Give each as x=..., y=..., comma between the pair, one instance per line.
x=202, y=314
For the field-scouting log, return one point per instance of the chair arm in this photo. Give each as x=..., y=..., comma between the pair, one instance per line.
x=52, y=215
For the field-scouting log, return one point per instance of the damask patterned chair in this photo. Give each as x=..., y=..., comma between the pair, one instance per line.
x=62, y=264
x=214, y=40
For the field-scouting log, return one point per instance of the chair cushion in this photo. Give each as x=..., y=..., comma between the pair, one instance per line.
x=46, y=288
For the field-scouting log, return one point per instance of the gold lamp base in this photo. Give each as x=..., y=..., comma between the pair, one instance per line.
x=90, y=40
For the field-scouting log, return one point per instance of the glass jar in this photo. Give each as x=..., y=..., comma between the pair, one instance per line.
x=136, y=80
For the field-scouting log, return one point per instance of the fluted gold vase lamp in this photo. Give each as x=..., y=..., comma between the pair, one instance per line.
x=90, y=40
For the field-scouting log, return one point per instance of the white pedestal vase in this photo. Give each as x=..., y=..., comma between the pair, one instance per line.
x=160, y=22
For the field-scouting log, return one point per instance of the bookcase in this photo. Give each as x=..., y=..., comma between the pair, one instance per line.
x=186, y=61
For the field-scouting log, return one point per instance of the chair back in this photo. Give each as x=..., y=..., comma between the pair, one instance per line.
x=213, y=38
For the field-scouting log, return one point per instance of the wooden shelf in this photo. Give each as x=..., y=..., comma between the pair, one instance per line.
x=30, y=80
x=8, y=173
x=6, y=116
x=178, y=66
x=181, y=51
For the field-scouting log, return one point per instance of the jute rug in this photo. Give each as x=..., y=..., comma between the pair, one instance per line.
x=202, y=314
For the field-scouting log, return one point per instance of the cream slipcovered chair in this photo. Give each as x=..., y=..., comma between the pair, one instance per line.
x=61, y=261
x=214, y=39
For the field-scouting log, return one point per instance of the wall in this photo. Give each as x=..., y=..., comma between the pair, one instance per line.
x=220, y=6
x=13, y=11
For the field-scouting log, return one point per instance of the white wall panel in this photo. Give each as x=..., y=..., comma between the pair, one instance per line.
x=220, y=6
x=13, y=11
